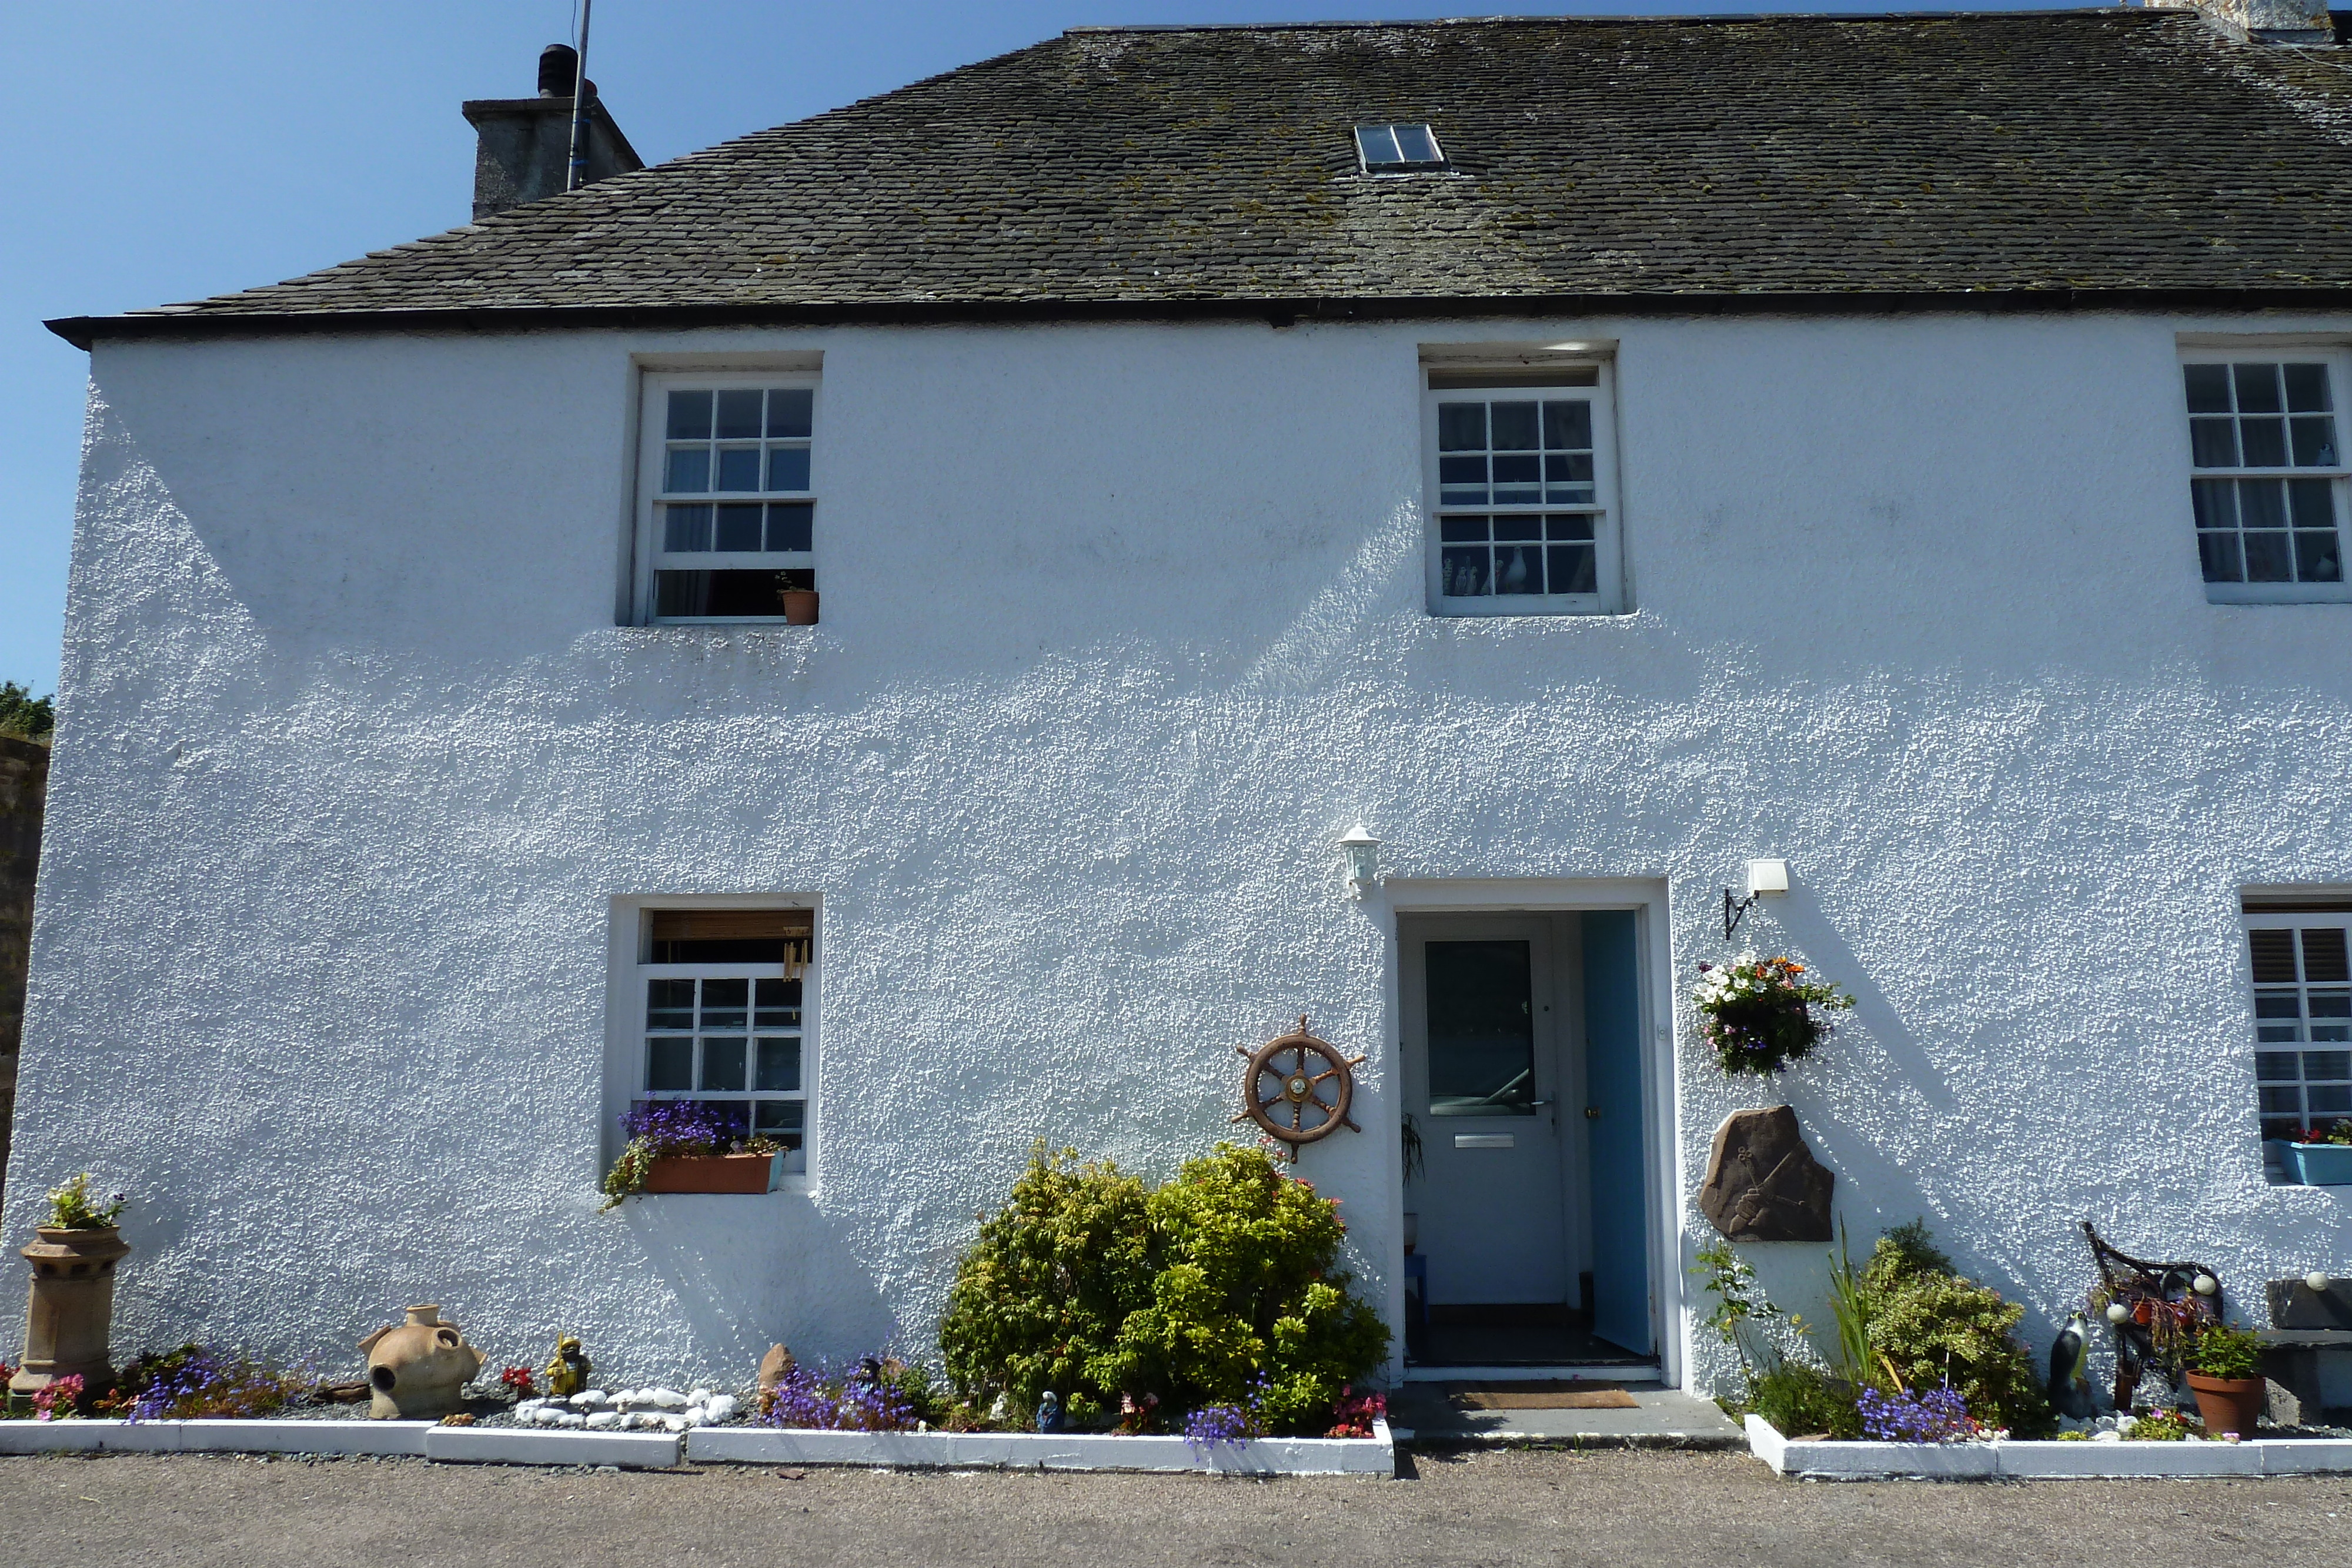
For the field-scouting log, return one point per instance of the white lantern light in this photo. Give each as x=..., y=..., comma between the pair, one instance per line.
x=2117, y=1311
x=2318, y=1281
x=2205, y=1284
x=1767, y=877
x=1363, y=853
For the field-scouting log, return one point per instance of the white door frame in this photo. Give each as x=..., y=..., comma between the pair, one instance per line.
x=1662, y=1194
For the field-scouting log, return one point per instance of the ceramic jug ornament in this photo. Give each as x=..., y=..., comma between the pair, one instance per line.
x=417, y=1370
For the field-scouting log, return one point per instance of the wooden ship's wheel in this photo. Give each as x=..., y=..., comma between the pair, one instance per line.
x=1298, y=1088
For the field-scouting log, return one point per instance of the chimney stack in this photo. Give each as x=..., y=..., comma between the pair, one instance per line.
x=524, y=151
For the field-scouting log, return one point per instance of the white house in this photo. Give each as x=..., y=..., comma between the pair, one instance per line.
x=1593, y=455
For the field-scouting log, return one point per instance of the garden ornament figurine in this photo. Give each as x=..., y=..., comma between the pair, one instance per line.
x=419, y=1370
x=567, y=1373
x=2070, y=1376
x=1049, y=1412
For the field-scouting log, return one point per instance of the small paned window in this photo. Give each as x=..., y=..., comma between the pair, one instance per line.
x=2303, y=1019
x=2266, y=447
x=724, y=1021
x=1520, y=471
x=1398, y=148
x=728, y=499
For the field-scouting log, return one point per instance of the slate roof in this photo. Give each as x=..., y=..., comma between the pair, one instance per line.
x=1768, y=162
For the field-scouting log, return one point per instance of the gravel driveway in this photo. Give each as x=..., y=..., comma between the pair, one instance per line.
x=1614, y=1507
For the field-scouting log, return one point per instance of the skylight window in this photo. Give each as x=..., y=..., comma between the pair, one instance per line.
x=1398, y=148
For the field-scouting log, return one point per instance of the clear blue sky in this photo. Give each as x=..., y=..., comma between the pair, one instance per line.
x=164, y=152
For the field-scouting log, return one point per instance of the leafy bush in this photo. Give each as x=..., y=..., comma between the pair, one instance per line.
x=1799, y=1399
x=2223, y=1351
x=1215, y=1289
x=23, y=715
x=1930, y=1326
x=1039, y=1298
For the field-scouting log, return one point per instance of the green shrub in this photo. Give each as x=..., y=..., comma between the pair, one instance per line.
x=1039, y=1298
x=1245, y=1289
x=1800, y=1400
x=1930, y=1324
x=1217, y=1288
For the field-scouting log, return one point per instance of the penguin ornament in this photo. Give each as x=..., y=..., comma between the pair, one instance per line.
x=2070, y=1376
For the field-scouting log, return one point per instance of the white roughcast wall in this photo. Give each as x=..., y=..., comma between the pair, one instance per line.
x=1122, y=627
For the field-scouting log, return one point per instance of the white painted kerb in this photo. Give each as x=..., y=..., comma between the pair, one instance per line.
x=2045, y=1460
x=1373, y=1456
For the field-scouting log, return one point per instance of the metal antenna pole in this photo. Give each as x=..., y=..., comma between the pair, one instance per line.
x=578, y=176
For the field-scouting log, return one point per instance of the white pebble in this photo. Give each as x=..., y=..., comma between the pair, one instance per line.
x=698, y=1397
x=665, y=1398
x=603, y=1420
x=722, y=1408
x=673, y=1422
x=525, y=1406
x=571, y=1420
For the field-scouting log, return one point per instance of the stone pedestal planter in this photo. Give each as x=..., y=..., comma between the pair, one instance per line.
x=72, y=1311
x=714, y=1173
x=2229, y=1404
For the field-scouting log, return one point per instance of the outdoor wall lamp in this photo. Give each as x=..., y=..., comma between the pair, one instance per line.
x=1363, y=853
x=1763, y=877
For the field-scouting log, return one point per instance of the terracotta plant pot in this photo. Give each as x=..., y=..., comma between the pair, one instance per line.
x=72, y=1311
x=419, y=1370
x=800, y=606
x=2229, y=1404
x=714, y=1173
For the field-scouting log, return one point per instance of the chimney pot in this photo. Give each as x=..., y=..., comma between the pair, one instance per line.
x=559, y=66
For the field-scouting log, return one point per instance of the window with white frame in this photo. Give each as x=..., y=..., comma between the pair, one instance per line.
x=727, y=513
x=719, y=1002
x=2267, y=452
x=1522, y=476
x=2302, y=1014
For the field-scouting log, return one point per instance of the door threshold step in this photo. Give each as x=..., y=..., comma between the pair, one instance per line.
x=1521, y=1372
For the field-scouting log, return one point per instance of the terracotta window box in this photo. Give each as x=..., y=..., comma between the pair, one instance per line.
x=716, y=1173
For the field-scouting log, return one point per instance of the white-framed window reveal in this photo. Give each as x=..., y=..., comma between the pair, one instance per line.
x=2302, y=959
x=1521, y=479
x=2266, y=448
x=727, y=500
x=719, y=998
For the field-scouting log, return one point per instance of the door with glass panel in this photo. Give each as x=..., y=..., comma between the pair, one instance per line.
x=1481, y=1067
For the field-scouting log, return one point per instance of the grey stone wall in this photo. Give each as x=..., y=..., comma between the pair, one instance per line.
x=23, y=781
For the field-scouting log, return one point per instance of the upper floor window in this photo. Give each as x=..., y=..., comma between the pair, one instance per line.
x=2266, y=445
x=1522, y=475
x=727, y=508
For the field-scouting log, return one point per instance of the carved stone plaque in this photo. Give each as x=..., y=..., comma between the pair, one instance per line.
x=1762, y=1182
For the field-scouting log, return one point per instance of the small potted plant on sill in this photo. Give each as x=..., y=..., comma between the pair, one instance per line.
x=2225, y=1371
x=684, y=1146
x=70, y=1315
x=2322, y=1158
x=1761, y=1014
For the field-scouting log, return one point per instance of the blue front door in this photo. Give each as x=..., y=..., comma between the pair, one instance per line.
x=1613, y=1076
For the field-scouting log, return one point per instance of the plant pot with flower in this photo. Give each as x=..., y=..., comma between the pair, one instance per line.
x=685, y=1145
x=70, y=1314
x=2322, y=1158
x=2224, y=1367
x=1761, y=1014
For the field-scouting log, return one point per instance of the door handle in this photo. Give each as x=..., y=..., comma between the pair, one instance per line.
x=1592, y=1112
x=1537, y=1104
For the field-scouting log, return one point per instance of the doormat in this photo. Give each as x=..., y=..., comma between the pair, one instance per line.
x=1540, y=1398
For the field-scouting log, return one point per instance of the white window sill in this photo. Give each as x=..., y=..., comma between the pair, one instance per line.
x=2278, y=593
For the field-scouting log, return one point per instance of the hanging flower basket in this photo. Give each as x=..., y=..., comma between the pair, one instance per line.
x=1761, y=1014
